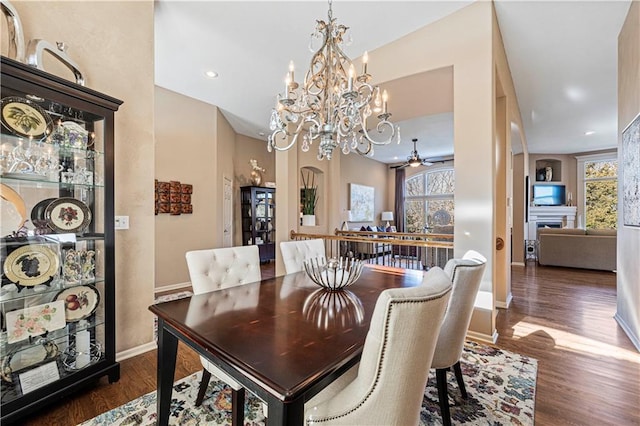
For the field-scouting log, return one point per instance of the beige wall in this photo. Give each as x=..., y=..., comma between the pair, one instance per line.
x=112, y=42
x=628, y=279
x=245, y=149
x=185, y=131
x=462, y=40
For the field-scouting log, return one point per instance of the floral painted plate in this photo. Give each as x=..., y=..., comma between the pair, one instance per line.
x=80, y=302
x=67, y=215
x=31, y=265
x=25, y=118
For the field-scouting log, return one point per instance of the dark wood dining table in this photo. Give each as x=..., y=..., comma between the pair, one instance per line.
x=284, y=339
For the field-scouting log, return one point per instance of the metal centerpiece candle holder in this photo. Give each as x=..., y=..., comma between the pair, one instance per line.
x=333, y=274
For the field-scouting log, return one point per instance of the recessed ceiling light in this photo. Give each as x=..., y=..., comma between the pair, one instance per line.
x=260, y=133
x=395, y=158
x=211, y=74
x=589, y=132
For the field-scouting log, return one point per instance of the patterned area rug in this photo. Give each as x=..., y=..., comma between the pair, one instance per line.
x=501, y=387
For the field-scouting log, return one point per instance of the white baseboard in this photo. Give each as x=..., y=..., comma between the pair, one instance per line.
x=172, y=287
x=138, y=350
x=625, y=327
x=517, y=264
x=505, y=305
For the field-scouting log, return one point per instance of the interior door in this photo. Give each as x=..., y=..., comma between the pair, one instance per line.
x=227, y=212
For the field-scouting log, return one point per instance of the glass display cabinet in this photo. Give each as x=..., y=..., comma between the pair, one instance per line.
x=258, y=206
x=57, y=294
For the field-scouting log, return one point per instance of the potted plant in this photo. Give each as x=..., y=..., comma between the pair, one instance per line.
x=309, y=198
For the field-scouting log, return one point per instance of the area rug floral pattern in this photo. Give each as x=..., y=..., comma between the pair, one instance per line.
x=501, y=387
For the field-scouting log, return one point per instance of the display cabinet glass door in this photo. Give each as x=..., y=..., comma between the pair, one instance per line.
x=57, y=243
x=258, y=219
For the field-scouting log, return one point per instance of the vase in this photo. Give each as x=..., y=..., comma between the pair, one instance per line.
x=308, y=220
x=548, y=174
x=256, y=178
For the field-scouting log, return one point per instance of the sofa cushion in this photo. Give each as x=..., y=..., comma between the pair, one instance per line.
x=606, y=232
x=563, y=231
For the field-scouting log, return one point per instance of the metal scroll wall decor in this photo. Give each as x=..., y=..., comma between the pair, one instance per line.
x=36, y=47
x=173, y=197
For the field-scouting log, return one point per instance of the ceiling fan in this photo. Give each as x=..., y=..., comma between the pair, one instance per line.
x=414, y=159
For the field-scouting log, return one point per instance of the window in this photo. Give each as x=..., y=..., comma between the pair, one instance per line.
x=599, y=174
x=429, y=200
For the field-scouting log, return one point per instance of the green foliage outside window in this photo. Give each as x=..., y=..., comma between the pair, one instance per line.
x=601, y=194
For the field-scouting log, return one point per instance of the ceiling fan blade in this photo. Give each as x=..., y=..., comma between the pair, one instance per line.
x=399, y=166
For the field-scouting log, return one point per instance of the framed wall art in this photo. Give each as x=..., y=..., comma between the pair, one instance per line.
x=362, y=199
x=631, y=173
x=173, y=197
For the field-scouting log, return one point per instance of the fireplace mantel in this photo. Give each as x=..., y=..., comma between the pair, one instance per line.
x=563, y=215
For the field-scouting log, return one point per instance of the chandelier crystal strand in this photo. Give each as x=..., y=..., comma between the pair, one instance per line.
x=333, y=104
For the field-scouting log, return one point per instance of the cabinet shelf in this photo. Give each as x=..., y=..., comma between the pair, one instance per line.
x=63, y=182
x=258, y=219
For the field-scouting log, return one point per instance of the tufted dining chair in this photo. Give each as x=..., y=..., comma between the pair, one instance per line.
x=387, y=386
x=216, y=269
x=294, y=253
x=466, y=275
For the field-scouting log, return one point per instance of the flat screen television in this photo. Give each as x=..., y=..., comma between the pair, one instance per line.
x=549, y=195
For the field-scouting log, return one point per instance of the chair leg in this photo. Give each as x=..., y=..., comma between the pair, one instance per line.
x=441, y=382
x=237, y=407
x=458, y=371
x=203, y=386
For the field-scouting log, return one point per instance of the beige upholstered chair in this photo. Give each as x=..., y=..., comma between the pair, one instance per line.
x=466, y=274
x=216, y=269
x=387, y=386
x=294, y=253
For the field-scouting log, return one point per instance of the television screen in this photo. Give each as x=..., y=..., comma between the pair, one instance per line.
x=548, y=195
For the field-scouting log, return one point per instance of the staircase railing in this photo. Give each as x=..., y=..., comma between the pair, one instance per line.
x=398, y=249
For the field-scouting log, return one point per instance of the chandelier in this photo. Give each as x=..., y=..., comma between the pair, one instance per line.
x=332, y=104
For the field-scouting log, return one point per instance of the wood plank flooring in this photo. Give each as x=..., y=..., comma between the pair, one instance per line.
x=588, y=372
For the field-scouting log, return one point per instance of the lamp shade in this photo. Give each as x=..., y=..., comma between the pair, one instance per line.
x=386, y=216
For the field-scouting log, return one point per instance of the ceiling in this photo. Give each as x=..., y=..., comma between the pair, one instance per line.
x=562, y=56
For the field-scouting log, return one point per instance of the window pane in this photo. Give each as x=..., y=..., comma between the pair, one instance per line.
x=414, y=186
x=440, y=212
x=415, y=216
x=602, y=204
x=600, y=169
x=440, y=182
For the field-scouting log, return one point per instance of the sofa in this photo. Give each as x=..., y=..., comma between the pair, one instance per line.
x=375, y=248
x=578, y=248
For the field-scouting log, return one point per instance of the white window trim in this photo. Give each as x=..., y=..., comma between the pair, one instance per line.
x=581, y=182
x=425, y=198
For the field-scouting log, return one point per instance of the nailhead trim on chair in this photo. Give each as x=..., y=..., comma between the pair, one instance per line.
x=382, y=356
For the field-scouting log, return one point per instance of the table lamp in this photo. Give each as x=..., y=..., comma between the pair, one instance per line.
x=347, y=219
x=386, y=216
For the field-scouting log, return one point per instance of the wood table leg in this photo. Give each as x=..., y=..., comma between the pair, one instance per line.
x=280, y=413
x=167, y=350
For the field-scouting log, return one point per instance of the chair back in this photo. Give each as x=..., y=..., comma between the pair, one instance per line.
x=294, y=253
x=466, y=275
x=394, y=367
x=215, y=269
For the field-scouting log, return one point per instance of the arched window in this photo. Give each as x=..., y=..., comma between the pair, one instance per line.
x=428, y=202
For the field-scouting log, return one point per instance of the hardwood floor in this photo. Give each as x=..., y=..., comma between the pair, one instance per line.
x=588, y=371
